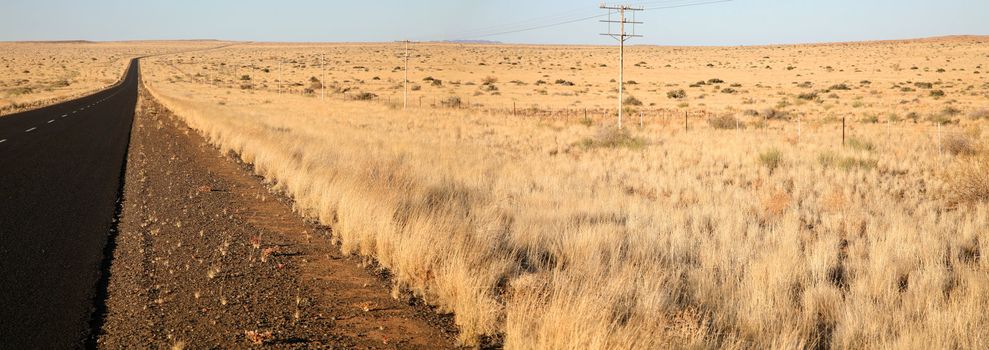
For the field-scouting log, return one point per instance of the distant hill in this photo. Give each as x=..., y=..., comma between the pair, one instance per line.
x=54, y=42
x=470, y=42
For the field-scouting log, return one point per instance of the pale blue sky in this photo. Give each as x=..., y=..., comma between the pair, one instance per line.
x=740, y=22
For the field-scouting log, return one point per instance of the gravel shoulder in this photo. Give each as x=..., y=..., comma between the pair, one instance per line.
x=206, y=256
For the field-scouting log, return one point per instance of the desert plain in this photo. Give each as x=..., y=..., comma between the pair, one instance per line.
x=797, y=196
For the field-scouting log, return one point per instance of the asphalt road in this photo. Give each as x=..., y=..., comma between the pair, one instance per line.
x=60, y=179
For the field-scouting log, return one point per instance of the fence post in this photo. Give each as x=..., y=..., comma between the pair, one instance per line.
x=686, y=126
x=640, y=119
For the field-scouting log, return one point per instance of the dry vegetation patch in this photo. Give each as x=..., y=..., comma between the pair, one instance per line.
x=545, y=228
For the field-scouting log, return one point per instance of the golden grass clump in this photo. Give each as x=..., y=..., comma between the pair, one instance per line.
x=968, y=179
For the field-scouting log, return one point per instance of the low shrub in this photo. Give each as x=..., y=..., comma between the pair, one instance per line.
x=725, y=121
x=841, y=86
x=810, y=96
x=959, y=144
x=870, y=119
x=678, y=94
x=980, y=114
x=632, y=101
x=830, y=159
x=23, y=90
x=364, y=96
x=940, y=119
x=613, y=138
x=452, y=101
x=775, y=114
x=772, y=159
x=860, y=144
x=849, y=163
x=968, y=179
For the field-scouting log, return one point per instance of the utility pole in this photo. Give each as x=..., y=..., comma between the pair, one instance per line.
x=621, y=36
x=405, y=96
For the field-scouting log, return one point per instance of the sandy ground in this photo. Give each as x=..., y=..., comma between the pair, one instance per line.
x=207, y=257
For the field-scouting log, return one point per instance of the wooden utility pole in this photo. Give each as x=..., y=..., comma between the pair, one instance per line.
x=405, y=98
x=621, y=36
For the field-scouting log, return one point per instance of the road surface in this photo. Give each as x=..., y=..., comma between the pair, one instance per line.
x=60, y=177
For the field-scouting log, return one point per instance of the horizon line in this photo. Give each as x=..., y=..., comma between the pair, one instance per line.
x=495, y=42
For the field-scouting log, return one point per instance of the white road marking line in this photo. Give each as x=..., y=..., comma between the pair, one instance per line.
x=51, y=121
x=64, y=115
x=30, y=130
x=4, y=140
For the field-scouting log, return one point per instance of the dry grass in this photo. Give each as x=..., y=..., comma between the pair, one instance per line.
x=685, y=240
x=968, y=179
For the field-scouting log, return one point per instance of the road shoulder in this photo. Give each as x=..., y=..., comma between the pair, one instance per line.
x=207, y=257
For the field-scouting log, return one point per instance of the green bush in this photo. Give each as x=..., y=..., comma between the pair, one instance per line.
x=771, y=159
x=676, y=94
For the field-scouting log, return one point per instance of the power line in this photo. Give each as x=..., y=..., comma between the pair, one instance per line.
x=672, y=5
x=532, y=28
x=563, y=16
x=687, y=5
